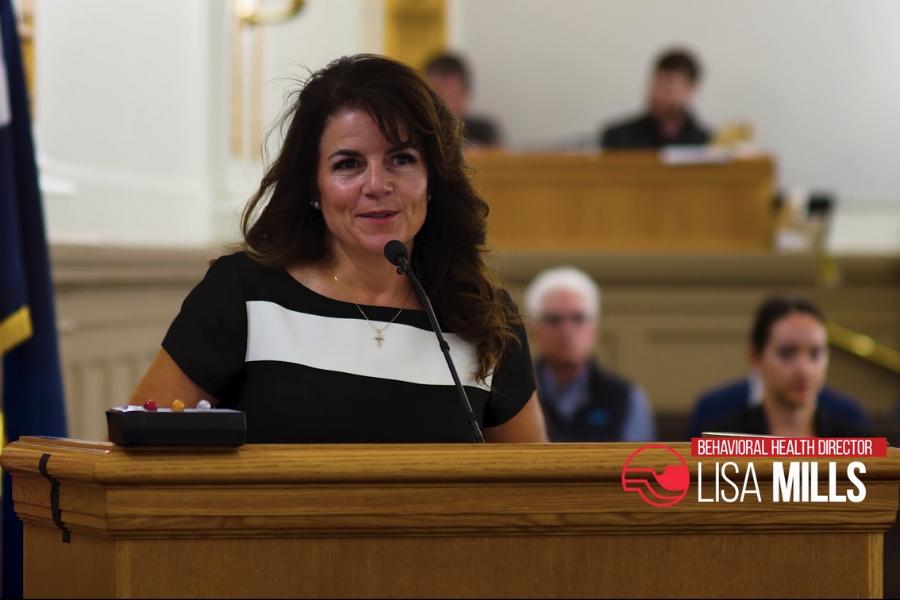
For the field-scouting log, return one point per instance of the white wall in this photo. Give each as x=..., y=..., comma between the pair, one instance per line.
x=820, y=79
x=128, y=119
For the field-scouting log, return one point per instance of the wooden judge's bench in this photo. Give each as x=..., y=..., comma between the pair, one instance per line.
x=415, y=521
x=625, y=201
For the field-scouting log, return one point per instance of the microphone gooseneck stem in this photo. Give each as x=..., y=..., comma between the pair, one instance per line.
x=405, y=269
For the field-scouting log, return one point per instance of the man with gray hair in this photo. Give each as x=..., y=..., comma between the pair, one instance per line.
x=582, y=401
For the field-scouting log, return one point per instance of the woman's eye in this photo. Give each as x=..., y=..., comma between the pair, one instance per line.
x=404, y=158
x=785, y=353
x=347, y=163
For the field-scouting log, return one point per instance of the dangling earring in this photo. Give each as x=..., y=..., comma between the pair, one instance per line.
x=315, y=204
x=430, y=197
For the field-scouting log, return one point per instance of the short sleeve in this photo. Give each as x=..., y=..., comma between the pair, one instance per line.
x=513, y=381
x=208, y=338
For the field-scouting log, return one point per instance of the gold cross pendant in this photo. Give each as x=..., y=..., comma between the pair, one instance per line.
x=379, y=338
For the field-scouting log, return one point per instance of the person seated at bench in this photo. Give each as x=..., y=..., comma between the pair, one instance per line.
x=582, y=400
x=668, y=120
x=785, y=395
x=450, y=77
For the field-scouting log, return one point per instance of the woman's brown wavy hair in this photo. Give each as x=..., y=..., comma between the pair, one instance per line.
x=281, y=227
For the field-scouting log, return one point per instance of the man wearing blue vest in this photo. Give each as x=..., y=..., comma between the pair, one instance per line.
x=582, y=401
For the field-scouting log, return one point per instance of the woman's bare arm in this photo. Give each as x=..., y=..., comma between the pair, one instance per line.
x=164, y=381
x=526, y=426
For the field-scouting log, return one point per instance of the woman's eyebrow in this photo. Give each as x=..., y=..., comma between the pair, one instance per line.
x=356, y=153
x=403, y=146
x=344, y=152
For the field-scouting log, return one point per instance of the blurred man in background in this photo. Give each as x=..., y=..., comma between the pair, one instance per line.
x=449, y=76
x=582, y=401
x=668, y=120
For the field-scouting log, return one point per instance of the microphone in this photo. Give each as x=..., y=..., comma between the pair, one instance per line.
x=398, y=256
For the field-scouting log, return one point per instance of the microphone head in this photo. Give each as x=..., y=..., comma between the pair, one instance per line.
x=396, y=252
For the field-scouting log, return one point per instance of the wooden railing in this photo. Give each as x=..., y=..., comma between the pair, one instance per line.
x=864, y=347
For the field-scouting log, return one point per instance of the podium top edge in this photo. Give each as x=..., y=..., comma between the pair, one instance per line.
x=107, y=464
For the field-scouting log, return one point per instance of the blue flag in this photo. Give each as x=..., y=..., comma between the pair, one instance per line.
x=32, y=385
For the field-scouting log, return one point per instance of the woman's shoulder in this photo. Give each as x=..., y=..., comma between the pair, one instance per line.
x=506, y=299
x=239, y=264
x=234, y=261
x=513, y=313
x=236, y=270
x=240, y=274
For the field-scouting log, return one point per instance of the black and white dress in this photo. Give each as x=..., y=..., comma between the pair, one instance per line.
x=306, y=368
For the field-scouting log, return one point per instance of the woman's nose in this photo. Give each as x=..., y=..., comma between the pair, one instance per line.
x=377, y=181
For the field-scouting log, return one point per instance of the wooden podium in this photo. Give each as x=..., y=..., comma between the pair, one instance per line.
x=539, y=520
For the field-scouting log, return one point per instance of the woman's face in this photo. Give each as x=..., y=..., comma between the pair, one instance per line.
x=371, y=191
x=794, y=361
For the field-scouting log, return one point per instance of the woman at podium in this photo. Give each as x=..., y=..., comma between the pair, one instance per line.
x=310, y=330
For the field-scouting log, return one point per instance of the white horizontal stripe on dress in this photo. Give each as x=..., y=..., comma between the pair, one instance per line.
x=407, y=353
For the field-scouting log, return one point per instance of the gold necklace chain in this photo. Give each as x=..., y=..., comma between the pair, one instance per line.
x=379, y=332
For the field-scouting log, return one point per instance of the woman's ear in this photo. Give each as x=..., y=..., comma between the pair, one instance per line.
x=315, y=200
x=753, y=357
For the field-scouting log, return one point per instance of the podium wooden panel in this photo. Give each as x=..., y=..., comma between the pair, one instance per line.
x=421, y=521
x=625, y=201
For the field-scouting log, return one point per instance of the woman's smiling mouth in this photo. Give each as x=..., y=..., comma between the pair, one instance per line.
x=378, y=215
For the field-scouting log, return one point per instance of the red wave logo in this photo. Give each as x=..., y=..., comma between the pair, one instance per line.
x=657, y=488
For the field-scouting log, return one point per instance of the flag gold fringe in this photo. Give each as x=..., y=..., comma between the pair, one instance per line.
x=15, y=329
